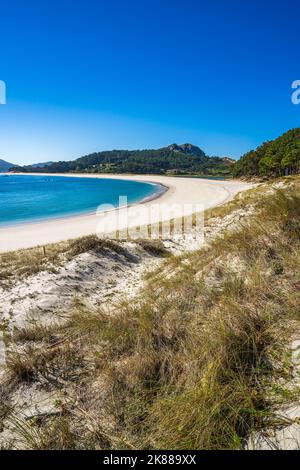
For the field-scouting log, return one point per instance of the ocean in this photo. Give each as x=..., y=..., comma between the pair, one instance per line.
x=40, y=197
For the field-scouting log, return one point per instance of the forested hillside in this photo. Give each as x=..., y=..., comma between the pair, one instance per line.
x=5, y=166
x=276, y=158
x=272, y=159
x=175, y=159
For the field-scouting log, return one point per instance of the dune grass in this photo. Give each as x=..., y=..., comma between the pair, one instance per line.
x=193, y=362
x=24, y=263
x=21, y=264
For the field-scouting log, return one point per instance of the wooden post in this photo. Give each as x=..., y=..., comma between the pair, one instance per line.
x=138, y=231
x=172, y=226
x=183, y=226
x=160, y=229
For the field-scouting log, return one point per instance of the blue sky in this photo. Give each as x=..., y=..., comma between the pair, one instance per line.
x=85, y=76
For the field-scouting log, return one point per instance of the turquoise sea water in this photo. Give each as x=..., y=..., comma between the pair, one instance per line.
x=32, y=198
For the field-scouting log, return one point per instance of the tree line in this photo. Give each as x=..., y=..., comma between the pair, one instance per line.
x=162, y=161
x=278, y=157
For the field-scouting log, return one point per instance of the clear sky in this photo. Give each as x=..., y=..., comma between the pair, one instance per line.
x=86, y=75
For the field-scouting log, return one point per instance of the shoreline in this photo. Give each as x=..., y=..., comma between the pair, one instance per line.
x=152, y=197
x=185, y=190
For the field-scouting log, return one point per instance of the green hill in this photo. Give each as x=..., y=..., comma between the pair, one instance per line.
x=174, y=159
x=5, y=166
x=276, y=158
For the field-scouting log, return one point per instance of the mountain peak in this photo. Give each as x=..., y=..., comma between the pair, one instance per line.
x=188, y=149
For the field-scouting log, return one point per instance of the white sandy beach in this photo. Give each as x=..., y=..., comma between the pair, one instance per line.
x=194, y=191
